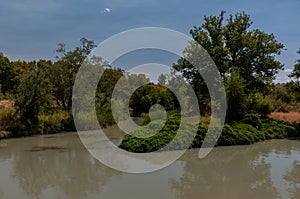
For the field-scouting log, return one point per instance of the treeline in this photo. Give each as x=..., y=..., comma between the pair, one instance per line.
x=246, y=58
x=42, y=91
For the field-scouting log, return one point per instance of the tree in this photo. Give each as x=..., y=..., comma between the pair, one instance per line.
x=31, y=94
x=106, y=86
x=236, y=97
x=296, y=72
x=150, y=94
x=6, y=74
x=197, y=82
x=64, y=71
x=162, y=79
x=232, y=43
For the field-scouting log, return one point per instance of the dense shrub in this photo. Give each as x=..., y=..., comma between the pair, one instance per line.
x=275, y=129
x=199, y=138
x=253, y=120
x=250, y=130
x=227, y=137
x=264, y=107
x=257, y=103
x=104, y=115
x=247, y=134
x=55, y=122
x=6, y=118
x=161, y=139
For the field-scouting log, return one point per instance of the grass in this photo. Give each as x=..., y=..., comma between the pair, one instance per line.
x=291, y=117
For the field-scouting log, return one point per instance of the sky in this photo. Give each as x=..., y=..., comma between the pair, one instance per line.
x=31, y=29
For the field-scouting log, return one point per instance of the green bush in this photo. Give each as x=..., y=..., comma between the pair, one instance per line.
x=155, y=142
x=250, y=130
x=7, y=118
x=253, y=120
x=56, y=122
x=199, y=138
x=247, y=134
x=264, y=107
x=275, y=129
x=105, y=117
x=227, y=137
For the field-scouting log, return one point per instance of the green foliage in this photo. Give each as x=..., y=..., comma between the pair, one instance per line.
x=157, y=141
x=199, y=138
x=42, y=90
x=148, y=95
x=250, y=130
x=7, y=118
x=233, y=46
x=6, y=74
x=227, y=137
x=296, y=72
x=285, y=97
x=1, y=94
x=257, y=103
x=105, y=116
x=31, y=95
x=58, y=121
x=197, y=82
x=253, y=120
x=236, y=97
x=247, y=134
x=64, y=71
x=61, y=84
x=278, y=129
x=264, y=107
x=106, y=85
x=233, y=43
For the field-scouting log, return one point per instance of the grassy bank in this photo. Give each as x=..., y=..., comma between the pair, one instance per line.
x=50, y=122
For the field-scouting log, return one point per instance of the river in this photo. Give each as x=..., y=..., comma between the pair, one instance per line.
x=58, y=166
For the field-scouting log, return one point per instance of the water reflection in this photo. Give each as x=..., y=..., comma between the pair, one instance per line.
x=293, y=178
x=62, y=163
x=256, y=171
x=58, y=166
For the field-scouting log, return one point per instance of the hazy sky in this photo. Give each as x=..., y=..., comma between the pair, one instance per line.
x=31, y=29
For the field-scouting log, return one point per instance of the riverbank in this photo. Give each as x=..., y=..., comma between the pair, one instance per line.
x=250, y=130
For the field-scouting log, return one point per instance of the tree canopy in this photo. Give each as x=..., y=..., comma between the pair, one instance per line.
x=233, y=43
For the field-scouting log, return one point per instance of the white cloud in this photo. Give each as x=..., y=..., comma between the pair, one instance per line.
x=282, y=79
x=288, y=70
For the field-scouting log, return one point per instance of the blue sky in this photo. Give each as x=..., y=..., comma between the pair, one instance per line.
x=31, y=29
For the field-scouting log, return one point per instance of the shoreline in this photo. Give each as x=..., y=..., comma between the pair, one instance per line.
x=236, y=134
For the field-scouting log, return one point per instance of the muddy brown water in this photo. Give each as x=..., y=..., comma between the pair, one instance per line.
x=58, y=166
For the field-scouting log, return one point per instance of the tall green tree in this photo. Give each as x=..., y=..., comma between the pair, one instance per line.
x=64, y=71
x=31, y=94
x=233, y=43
